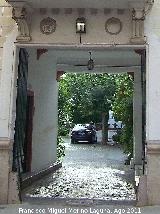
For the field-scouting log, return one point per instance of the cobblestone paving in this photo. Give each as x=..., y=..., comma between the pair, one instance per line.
x=89, y=171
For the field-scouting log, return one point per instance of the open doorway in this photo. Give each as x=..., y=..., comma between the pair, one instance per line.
x=43, y=81
x=95, y=168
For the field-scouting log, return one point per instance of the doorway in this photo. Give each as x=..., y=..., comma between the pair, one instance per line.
x=63, y=60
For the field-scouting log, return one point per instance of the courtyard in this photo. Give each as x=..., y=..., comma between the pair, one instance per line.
x=89, y=171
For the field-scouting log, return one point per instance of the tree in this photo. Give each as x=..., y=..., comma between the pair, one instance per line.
x=64, y=107
x=102, y=97
x=123, y=110
x=86, y=97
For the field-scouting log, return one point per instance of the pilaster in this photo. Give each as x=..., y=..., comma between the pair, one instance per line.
x=138, y=16
x=138, y=13
x=22, y=15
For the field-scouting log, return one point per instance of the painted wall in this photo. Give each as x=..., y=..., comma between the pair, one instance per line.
x=42, y=80
x=95, y=27
x=6, y=25
x=152, y=28
x=7, y=39
x=7, y=85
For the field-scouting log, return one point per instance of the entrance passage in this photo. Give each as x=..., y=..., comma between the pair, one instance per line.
x=89, y=172
x=94, y=171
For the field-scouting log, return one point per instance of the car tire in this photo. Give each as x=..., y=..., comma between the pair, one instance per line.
x=72, y=141
x=95, y=140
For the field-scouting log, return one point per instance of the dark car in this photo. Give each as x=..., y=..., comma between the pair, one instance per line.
x=83, y=133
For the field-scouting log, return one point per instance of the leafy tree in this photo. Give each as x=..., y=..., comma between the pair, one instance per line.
x=102, y=97
x=123, y=110
x=89, y=97
x=86, y=97
x=64, y=107
x=60, y=148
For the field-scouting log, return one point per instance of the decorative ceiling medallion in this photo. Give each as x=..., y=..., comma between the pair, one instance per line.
x=48, y=26
x=113, y=26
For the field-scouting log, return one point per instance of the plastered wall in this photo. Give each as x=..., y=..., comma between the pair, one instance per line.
x=152, y=31
x=95, y=27
x=42, y=80
x=6, y=25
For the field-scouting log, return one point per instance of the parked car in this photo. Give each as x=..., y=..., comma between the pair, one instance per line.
x=83, y=133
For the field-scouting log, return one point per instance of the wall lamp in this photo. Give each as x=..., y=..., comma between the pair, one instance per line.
x=81, y=26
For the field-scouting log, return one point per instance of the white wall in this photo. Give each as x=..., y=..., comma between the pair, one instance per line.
x=7, y=83
x=42, y=80
x=152, y=29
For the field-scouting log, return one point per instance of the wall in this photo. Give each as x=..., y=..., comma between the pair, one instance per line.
x=6, y=25
x=42, y=80
x=152, y=28
x=95, y=27
x=7, y=85
x=7, y=96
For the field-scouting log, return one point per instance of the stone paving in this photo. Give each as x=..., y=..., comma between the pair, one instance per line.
x=89, y=171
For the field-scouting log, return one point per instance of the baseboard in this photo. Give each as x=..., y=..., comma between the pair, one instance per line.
x=30, y=178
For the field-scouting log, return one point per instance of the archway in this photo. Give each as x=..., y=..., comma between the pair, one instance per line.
x=43, y=65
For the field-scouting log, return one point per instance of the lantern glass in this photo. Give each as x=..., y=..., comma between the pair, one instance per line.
x=81, y=25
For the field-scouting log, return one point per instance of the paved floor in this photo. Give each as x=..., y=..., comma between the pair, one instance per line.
x=90, y=171
x=110, y=158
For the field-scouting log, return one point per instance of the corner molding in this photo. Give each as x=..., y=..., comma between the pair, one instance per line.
x=22, y=14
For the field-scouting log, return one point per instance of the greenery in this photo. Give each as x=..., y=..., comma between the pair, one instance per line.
x=84, y=98
x=89, y=97
x=123, y=111
x=60, y=148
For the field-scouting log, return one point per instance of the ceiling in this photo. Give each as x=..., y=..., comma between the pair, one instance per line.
x=105, y=60
x=79, y=3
